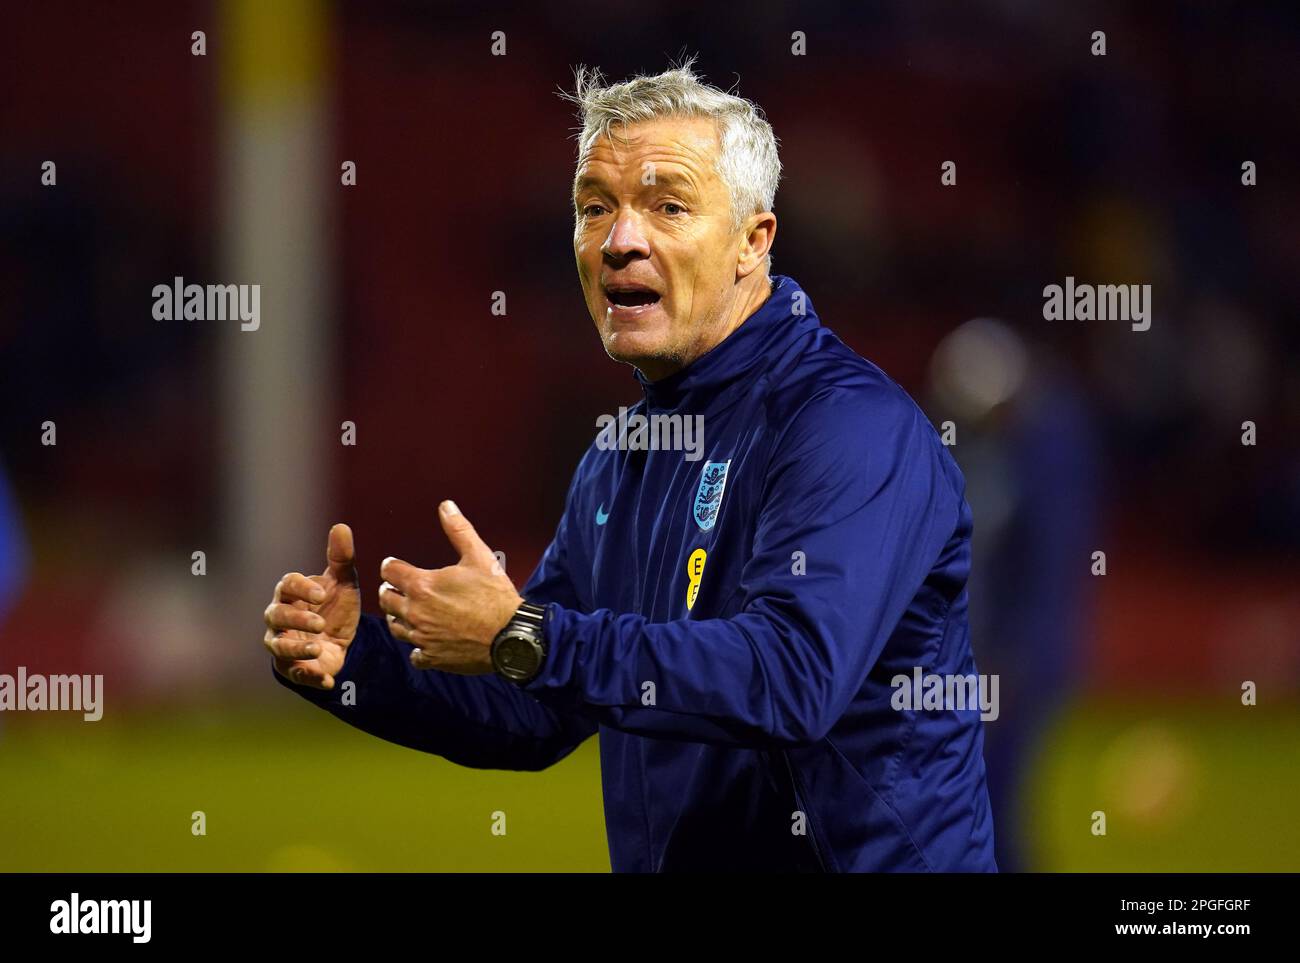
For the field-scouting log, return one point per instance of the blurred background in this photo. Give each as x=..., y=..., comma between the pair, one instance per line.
x=1119, y=692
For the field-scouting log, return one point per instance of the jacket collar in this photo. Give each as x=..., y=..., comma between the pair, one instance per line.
x=764, y=334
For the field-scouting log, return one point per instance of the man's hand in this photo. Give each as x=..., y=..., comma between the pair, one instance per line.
x=311, y=621
x=451, y=615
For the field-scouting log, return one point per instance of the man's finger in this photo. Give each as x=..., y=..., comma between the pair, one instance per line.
x=392, y=601
x=463, y=538
x=283, y=647
x=281, y=617
x=398, y=629
x=305, y=673
x=296, y=587
x=420, y=660
x=403, y=577
x=340, y=555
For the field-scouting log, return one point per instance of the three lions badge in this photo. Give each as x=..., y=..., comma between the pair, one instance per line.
x=708, y=498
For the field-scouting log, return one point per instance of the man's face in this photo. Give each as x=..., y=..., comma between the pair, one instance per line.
x=657, y=260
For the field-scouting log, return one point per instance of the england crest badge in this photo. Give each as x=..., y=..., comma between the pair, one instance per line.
x=708, y=499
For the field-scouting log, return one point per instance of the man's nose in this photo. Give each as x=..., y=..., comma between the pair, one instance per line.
x=626, y=239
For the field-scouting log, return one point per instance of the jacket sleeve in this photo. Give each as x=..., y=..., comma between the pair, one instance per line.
x=481, y=721
x=858, y=483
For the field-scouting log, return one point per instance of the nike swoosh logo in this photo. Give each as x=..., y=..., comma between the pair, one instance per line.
x=602, y=516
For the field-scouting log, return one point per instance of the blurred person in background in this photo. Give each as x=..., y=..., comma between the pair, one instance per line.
x=13, y=554
x=13, y=549
x=1028, y=445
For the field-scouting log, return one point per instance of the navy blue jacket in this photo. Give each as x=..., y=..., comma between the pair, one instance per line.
x=731, y=626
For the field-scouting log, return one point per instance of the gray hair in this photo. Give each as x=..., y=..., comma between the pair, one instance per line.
x=747, y=161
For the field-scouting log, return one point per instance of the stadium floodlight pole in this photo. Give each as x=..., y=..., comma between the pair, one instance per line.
x=275, y=176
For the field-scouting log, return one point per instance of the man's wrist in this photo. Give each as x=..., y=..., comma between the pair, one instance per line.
x=513, y=611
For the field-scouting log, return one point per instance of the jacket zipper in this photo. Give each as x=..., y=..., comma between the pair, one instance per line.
x=807, y=814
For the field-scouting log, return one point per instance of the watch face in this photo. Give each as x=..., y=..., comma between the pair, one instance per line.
x=517, y=657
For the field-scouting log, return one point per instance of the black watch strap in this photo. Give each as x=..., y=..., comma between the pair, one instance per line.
x=530, y=614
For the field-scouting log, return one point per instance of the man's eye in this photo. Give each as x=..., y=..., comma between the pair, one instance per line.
x=587, y=209
x=676, y=208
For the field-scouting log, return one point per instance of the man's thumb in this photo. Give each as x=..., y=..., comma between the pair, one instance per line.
x=340, y=554
x=463, y=538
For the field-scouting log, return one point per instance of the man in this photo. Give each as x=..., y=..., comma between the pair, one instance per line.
x=730, y=625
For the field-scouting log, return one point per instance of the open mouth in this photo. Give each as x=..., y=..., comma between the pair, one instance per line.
x=631, y=297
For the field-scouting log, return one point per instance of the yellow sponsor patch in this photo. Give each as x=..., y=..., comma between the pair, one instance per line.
x=694, y=571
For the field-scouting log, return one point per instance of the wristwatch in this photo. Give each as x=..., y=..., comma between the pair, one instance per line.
x=519, y=649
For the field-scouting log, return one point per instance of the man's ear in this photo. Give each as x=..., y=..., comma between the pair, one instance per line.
x=756, y=237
